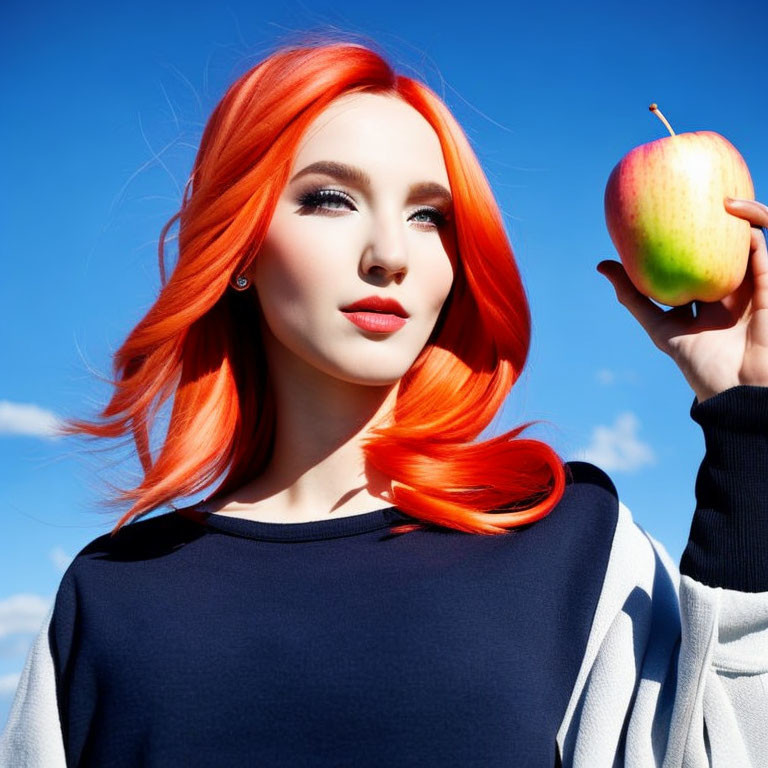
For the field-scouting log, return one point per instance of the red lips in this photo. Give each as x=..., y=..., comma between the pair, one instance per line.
x=376, y=304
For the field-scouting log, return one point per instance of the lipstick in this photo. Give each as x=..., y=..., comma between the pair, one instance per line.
x=378, y=322
x=380, y=314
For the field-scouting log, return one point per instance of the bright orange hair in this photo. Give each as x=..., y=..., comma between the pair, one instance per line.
x=200, y=341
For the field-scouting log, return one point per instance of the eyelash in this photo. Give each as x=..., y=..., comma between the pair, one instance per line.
x=311, y=201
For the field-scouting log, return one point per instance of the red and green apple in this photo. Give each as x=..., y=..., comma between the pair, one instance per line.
x=665, y=215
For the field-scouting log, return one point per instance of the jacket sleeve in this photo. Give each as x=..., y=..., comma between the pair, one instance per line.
x=32, y=737
x=675, y=672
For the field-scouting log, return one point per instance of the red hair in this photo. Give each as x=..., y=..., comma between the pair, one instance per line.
x=200, y=342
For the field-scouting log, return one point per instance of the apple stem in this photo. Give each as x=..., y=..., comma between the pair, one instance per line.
x=661, y=117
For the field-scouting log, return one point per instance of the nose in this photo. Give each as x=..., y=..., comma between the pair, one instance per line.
x=386, y=253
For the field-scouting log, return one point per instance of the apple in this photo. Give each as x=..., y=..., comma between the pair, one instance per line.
x=665, y=215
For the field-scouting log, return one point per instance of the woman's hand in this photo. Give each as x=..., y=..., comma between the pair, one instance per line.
x=726, y=344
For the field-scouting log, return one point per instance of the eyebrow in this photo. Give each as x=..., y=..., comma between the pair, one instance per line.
x=357, y=177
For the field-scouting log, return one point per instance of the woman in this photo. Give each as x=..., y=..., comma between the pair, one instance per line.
x=368, y=586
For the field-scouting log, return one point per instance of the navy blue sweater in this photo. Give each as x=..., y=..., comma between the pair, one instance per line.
x=201, y=639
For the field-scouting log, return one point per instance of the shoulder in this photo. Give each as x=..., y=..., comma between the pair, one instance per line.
x=145, y=538
x=588, y=479
x=574, y=541
x=633, y=557
x=590, y=500
x=591, y=497
x=135, y=549
x=630, y=569
x=112, y=574
x=593, y=538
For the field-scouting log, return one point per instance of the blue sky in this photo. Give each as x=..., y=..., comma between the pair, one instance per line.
x=103, y=108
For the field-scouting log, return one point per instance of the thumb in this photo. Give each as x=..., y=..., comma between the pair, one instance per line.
x=605, y=268
x=644, y=310
x=625, y=290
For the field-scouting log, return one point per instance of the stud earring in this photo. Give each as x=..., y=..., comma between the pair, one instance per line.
x=241, y=283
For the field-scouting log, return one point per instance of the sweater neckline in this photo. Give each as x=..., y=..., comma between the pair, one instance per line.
x=333, y=528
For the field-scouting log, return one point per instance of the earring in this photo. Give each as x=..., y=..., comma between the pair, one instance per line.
x=241, y=283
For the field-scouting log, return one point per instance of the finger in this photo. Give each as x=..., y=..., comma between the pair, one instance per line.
x=753, y=210
x=759, y=265
x=756, y=276
x=752, y=293
x=642, y=308
x=757, y=214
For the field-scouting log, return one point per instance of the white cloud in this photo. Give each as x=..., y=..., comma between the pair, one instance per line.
x=60, y=559
x=26, y=419
x=617, y=448
x=22, y=613
x=8, y=683
x=605, y=376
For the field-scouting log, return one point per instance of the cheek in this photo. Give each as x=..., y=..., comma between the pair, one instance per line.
x=441, y=280
x=446, y=263
x=292, y=267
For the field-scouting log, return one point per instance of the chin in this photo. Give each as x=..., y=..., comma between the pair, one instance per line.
x=373, y=376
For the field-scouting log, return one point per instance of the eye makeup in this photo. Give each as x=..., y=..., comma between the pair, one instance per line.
x=315, y=200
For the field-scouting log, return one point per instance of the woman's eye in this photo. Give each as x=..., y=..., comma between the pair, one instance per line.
x=320, y=198
x=327, y=198
x=437, y=217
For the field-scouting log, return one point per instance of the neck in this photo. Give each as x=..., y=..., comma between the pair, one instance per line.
x=317, y=468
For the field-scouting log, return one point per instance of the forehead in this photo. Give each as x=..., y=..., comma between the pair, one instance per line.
x=379, y=133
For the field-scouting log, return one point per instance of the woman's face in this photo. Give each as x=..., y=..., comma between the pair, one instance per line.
x=382, y=236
